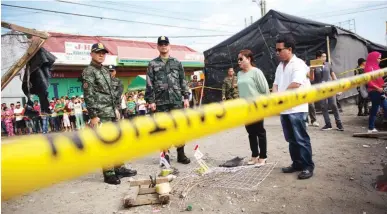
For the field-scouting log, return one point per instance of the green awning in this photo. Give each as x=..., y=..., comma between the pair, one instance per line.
x=138, y=84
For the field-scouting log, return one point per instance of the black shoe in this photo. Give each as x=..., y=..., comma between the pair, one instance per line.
x=290, y=169
x=112, y=179
x=327, y=128
x=305, y=174
x=340, y=127
x=124, y=172
x=360, y=114
x=181, y=158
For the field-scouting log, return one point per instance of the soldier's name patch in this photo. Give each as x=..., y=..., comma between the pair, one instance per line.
x=85, y=85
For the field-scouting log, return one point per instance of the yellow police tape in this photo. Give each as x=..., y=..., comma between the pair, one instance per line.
x=345, y=72
x=32, y=162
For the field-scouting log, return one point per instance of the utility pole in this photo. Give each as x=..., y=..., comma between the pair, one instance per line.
x=245, y=22
x=251, y=20
x=262, y=5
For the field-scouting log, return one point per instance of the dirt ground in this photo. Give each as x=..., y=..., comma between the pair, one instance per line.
x=343, y=181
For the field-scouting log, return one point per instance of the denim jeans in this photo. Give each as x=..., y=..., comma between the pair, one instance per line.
x=331, y=101
x=300, y=149
x=36, y=124
x=53, y=124
x=3, y=127
x=45, y=120
x=79, y=121
x=376, y=101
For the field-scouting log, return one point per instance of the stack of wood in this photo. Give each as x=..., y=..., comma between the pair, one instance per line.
x=141, y=192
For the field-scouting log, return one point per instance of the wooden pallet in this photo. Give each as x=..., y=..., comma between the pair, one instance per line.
x=141, y=194
x=371, y=135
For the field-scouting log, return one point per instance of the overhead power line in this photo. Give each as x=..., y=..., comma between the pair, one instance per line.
x=346, y=12
x=147, y=14
x=109, y=18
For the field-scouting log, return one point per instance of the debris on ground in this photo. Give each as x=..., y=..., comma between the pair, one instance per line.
x=148, y=191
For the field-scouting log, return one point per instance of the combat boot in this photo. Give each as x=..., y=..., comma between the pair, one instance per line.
x=181, y=158
x=124, y=172
x=111, y=178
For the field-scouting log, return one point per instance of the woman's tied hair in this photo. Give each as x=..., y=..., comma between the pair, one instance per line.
x=248, y=54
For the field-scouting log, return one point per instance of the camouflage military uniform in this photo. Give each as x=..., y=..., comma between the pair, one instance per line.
x=166, y=86
x=102, y=93
x=228, y=89
x=99, y=94
x=118, y=89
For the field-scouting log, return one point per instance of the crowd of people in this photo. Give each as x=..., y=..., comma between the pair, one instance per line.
x=66, y=114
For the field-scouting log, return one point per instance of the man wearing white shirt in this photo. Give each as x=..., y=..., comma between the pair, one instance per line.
x=290, y=75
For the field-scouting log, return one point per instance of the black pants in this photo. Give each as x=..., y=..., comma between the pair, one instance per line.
x=168, y=108
x=257, y=133
x=110, y=170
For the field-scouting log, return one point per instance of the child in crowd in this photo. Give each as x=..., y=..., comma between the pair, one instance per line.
x=66, y=121
x=141, y=103
x=8, y=120
x=131, y=107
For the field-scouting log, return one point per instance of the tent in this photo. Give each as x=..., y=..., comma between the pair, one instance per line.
x=138, y=84
x=260, y=37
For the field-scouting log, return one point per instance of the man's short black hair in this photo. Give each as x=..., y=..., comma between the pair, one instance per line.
x=360, y=61
x=288, y=41
x=319, y=53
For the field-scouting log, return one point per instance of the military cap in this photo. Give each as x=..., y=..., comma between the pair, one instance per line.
x=111, y=67
x=162, y=39
x=98, y=47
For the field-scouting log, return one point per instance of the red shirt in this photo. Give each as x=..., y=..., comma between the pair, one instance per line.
x=37, y=108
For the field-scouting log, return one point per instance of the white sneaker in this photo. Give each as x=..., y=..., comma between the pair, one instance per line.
x=260, y=164
x=252, y=161
x=372, y=131
x=315, y=124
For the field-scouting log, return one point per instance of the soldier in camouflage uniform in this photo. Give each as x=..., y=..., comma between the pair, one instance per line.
x=100, y=93
x=230, y=87
x=118, y=87
x=166, y=86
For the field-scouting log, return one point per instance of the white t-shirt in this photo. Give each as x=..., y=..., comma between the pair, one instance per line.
x=78, y=108
x=70, y=105
x=294, y=72
x=141, y=104
x=123, y=102
x=18, y=111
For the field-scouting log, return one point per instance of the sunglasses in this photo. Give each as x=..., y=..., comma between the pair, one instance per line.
x=279, y=49
x=163, y=44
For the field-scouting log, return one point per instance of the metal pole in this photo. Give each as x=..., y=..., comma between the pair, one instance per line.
x=328, y=50
x=251, y=19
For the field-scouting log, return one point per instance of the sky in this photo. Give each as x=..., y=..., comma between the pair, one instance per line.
x=214, y=20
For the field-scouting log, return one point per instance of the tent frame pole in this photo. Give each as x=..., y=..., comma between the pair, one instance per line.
x=329, y=50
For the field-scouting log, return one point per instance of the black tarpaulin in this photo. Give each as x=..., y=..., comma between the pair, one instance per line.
x=260, y=38
x=36, y=78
